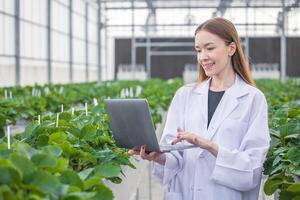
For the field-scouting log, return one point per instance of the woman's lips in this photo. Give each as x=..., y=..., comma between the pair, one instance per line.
x=208, y=66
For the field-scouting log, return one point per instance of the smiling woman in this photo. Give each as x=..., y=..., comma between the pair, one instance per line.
x=224, y=115
x=220, y=40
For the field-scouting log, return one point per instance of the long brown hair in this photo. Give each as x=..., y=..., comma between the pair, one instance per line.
x=226, y=31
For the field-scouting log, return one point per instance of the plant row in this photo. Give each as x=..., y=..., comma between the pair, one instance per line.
x=70, y=155
x=283, y=159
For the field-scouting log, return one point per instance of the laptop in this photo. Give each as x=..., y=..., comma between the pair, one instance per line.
x=132, y=126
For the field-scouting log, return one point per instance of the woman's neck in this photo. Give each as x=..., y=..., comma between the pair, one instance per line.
x=223, y=80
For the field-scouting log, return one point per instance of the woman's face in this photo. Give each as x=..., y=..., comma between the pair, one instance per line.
x=213, y=53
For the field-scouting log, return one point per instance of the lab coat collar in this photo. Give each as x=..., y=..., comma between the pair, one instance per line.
x=238, y=87
x=227, y=104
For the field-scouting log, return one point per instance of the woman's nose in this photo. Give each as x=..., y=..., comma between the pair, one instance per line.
x=202, y=57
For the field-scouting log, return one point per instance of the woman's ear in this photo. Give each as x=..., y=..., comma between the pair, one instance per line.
x=232, y=48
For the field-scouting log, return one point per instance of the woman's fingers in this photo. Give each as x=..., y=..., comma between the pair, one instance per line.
x=179, y=138
x=179, y=130
x=153, y=154
x=190, y=137
x=133, y=152
x=142, y=152
x=175, y=141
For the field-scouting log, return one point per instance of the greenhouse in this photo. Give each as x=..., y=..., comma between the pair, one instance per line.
x=149, y=99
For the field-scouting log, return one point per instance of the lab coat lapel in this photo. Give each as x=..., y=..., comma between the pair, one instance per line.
x=202, y=91
x=227, y=104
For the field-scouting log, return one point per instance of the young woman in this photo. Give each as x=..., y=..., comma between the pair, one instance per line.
x=225, y=115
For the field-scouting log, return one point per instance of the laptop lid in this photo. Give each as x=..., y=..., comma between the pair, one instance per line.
x=131, y=123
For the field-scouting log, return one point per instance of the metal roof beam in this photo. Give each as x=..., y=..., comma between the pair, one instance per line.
x=221, y=9
x=199, y=7
x=150, y=6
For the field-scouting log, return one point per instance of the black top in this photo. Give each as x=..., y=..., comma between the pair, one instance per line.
x=213, y=100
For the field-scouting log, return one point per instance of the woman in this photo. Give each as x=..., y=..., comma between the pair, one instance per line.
x=224, y=115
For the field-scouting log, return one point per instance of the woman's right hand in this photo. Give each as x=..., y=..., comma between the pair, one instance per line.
x=153, y=156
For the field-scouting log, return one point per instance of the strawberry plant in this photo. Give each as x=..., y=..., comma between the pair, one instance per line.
x=283, y=160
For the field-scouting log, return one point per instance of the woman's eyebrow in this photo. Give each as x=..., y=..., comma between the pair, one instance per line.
x=206, y=44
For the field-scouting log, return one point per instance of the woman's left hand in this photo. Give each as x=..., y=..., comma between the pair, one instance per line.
x=196, y=140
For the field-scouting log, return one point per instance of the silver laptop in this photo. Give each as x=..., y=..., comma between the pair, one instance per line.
x=132, y=126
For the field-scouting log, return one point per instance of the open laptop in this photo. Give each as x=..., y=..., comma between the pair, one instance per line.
x=132, y=126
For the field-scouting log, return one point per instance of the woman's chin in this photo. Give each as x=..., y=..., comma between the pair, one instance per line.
x=209, y=73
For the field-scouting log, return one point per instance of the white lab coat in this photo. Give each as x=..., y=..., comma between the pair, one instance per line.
x=239, y=127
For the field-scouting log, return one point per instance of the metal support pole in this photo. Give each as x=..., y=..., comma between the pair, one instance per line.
x=99, y=40
x=150, y=184
x=133, y=53
x=17, y=41
x=106, y=44
x=246, y=35
x=137, y=195
x=106, y=50
x=49, y=63
x=71, y=40
x=86, y=42
x=148, y=50
x=283, y=45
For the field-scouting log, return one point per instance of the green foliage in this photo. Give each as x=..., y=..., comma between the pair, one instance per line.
x=71, y=160
x=283, y=160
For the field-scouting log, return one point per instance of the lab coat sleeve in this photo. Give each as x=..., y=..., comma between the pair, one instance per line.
x=165, y=173
x=241, y=168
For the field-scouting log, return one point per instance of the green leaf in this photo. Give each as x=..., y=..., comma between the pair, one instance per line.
x=294, y=187
x=62, y=164
x=7, y=193
x=29, y=130
x=23, y=164
x=71, y=178
x=4, y=152
x=274, y=142
x=85, y=173
x=116, y=180
x=46, y=182
x=105, y=139
x=53, y=150
x=271, y=186
x=73, y=189
x=297, y=197
x=107, y=170
x=292, y=136
x=79, y=196
x=284, y=130
x=284, y=195
x=34, y=197
x=294, y=154
x=9, y=175
x=105, y=155
x=274, y=133
x=276, y=160
x=89, y=132
x=57, y=138
x=276, y=170
x=43, y=160
x=92, y=181
x=103, y=193
x=280, y=150
x=42, y=140
x=75, y=131
x=65, y=116
x=66, y=147
x=294, y=170
x=26, y=150
x=293, y=113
